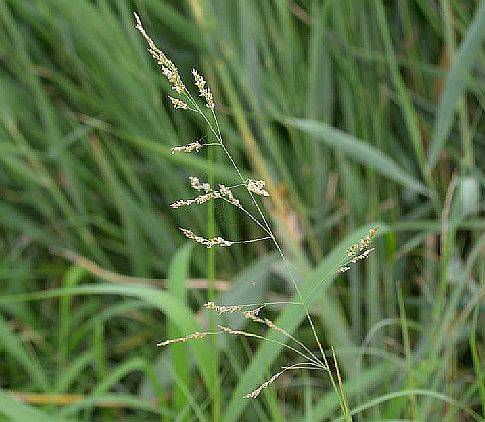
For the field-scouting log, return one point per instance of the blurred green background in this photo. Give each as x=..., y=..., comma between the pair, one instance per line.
x=356, y=113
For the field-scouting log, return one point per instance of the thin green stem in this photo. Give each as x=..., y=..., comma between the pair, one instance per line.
x=407, y=351
x=287, y=264
x=218, y=135
x=216, y=406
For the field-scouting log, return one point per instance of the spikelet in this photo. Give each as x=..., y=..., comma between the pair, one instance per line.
x=362, y=244
x=257, y=187
x=253, y=312
x=255, y=393
x=227, y=193
x=201, y=199
x=222, y=309
x=359, y=250
x=193, y=146
x=195, y=184
x=194, y=336
x=168, y=68
x=229, y=330
x=231, y=309
x=209, y=243
x=270, y=324
x=203, y=91
x=363, y=255
x=178, y=103
x=223, y=192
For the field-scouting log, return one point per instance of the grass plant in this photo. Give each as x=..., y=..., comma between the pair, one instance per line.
x=355, y=115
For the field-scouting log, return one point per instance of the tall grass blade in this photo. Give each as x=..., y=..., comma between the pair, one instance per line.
x=359, y=151
x=456, y=80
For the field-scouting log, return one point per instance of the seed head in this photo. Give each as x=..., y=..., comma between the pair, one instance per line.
x=201, y=199
x=257, y=187
x=194, y=336
x=222, y=309
x=168, y=68
x=227, y=193
x=193, y=146
x=177, y=103
x=195, y=184
x=363, y=244
x=203, y=91
x=209, y=243
x=255, y=393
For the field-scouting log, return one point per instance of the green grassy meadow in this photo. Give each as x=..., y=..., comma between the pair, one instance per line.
x=357, y=114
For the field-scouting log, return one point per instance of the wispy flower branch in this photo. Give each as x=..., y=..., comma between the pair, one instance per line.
x=254, y=188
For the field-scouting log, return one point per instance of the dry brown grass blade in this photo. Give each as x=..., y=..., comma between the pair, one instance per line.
x=112, y=277
x=64, y=399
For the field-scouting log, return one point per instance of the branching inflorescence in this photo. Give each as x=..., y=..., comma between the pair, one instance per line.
x=205, y=193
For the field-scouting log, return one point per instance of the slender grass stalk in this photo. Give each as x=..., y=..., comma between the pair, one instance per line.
x=407, y=350
x=211, y=271
x=217, y=133
x=70, y=279
x=356, y=252
x=466, y=139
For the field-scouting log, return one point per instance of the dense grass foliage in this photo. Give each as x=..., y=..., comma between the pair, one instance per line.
x=355, y=113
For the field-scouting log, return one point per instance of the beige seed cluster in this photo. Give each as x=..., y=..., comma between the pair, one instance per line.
x=201, y=199
x=223, y=192
x=253, y=312
x=255, y=393
x=195, y=184
x=168, y=68
x=178, y=103
x=229, y=330
x=194, y=336
x=270, y=324
x=209, y=243
x=227, y=193
x=222, y=309
x=231, y=309
x=362, y=244
x=363, y=255
x=359, y=250
x=193, y=146
x=257, y=187
x=203, y=91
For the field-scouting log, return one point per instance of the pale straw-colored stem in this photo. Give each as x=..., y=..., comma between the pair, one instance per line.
x=252, y=240
x=218, y=136
x=273, y=238
x=245, y=211
x=341, y=387
x=248, y=334
x=264, y=304
x=273, y=326
x=255, y=393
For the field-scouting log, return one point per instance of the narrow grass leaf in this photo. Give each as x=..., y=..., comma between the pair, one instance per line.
x=172, y=308
x=358, y=151
x=177, y=275
x=13, y=345
x=455, y=83
x=17, y=411
x=290, y=318
x=412, y=392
